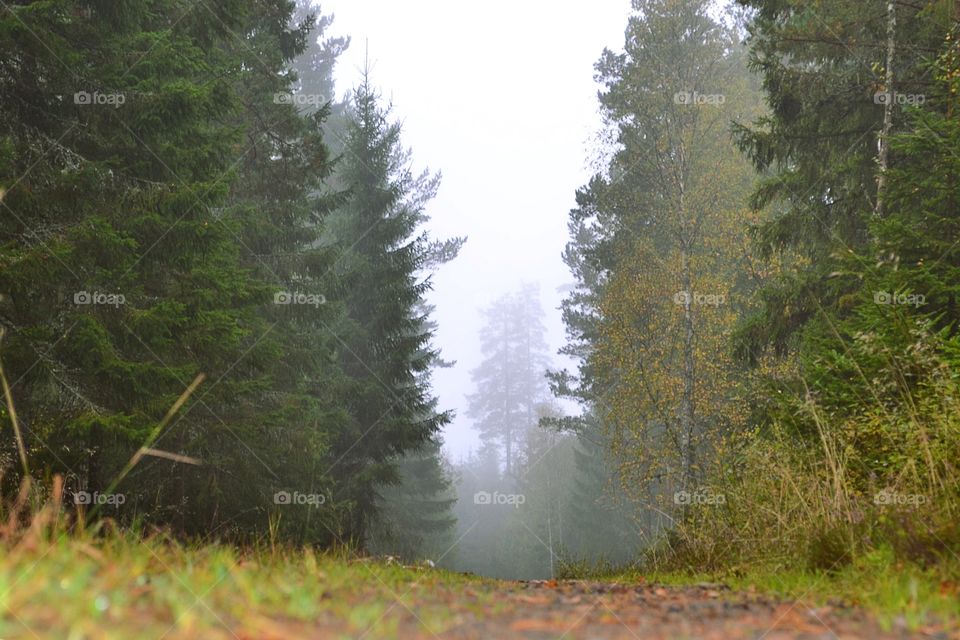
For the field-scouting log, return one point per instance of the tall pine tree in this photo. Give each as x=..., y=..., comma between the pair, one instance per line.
x=510, y=382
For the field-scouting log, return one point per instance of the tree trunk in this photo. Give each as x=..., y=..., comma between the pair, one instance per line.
x=689, y=378
x=883, y=159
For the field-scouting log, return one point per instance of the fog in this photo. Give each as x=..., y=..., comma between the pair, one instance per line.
x=509, y=175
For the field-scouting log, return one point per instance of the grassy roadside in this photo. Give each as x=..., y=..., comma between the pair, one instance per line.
x=898, y=595
x=119, y=586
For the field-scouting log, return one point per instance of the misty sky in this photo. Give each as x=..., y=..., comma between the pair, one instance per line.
x=500, y=97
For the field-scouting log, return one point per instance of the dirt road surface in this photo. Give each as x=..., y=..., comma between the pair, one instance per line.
x=575, y=610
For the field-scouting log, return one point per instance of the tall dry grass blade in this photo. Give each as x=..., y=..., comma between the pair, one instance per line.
x=176, y=457
x=8, y=397
x=152, y=438
x=13, y=518
x=56, y=497
x=56, y=494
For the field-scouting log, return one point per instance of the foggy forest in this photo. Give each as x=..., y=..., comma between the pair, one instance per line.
x=359, y=319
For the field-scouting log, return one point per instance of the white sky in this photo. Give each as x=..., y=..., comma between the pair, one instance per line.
x=499, y=96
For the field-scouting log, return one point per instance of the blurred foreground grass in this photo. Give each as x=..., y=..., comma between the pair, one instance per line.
x=58, y=585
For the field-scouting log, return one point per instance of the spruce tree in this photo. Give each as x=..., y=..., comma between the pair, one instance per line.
x=278, y=440
x=118, y=167
x=383, y=338
x=415, y=518
x=824, y=70
x=169, y=200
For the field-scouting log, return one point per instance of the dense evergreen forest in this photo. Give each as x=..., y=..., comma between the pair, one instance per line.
x=187, y=208
x=215, y=294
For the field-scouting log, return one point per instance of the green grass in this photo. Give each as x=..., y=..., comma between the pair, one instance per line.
x=118, y=586
x=62, y=581
x=895, y=593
